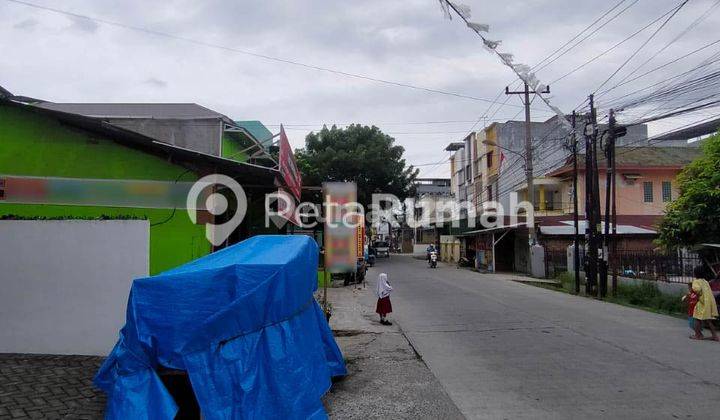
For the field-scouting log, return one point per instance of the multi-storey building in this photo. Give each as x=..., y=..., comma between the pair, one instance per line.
x=498, y=173
x=431, y=197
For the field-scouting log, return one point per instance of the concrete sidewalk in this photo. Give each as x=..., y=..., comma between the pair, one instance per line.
x=386, y=377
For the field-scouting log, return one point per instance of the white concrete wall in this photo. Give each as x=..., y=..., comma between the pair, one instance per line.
x=64, y=284
x=420, y=250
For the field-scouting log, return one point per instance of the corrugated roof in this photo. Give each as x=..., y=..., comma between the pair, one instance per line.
x=135, y=110
x=257, y=130
x=4, y=92
x=570, y=229
x=672, y=156
x=656, y=156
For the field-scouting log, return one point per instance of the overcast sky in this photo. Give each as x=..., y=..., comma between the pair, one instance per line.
x=65, y=59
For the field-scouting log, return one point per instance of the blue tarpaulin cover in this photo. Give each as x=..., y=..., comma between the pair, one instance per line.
x=244, y=324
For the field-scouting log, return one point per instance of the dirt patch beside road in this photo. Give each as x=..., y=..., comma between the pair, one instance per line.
x=386, y=379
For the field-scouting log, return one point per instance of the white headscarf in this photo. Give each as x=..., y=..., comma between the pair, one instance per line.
x=383, y=288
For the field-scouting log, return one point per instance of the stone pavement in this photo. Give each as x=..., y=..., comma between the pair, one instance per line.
x=49, y=387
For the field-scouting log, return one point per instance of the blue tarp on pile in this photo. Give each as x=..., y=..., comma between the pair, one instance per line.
x=242, y=322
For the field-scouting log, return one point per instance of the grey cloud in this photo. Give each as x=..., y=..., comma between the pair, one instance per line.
x=26, y=24
x=84, y=24
x=406, y=41
x=154, y=82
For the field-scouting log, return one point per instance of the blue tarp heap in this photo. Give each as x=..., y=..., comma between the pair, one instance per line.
x=243, y=323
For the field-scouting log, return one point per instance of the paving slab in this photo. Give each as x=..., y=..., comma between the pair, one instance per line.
x=49, y=387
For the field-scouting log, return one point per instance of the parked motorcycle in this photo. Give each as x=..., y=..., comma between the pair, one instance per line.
x=432, y=261
x=466, y=262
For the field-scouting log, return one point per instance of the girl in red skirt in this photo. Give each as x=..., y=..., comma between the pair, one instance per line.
x=383, y=290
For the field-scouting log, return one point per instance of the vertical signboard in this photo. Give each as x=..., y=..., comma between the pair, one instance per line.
x=341, y=221
x=288, y=166
x=360, y=236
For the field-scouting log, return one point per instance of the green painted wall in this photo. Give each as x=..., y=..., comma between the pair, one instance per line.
x=231, y=149
x=232, y=145
x=35, y=145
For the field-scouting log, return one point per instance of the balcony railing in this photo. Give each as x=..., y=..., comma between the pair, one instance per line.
x=552, y=208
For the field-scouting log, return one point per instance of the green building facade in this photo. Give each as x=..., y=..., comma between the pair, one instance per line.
x=34, y=144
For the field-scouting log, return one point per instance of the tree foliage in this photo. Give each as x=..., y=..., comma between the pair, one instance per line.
x=695, y=216
x=360, y=154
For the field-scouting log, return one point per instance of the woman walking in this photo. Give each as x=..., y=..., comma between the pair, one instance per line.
x=383, y=290
x=705, y=310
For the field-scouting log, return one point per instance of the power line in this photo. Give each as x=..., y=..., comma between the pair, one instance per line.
x=378, y=124
x=590, y=34
x=431, y=163
x=670, y=93
x=627, y=148
x=375, y=123
x=631, y=36
x=536, y=66
x=676, y=38
x=659, y=68
x=248, y=53
x=392, y=132
x=650, y=38
x=434, y=168
x=658, y=137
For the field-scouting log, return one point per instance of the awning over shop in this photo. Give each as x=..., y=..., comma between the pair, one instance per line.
x=568, y=229
x=492, y=230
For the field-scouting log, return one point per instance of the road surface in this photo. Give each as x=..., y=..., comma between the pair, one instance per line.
x=502, y=349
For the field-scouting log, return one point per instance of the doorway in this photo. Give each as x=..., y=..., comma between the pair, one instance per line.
x=505, y=252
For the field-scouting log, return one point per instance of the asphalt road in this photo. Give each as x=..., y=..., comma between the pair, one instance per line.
x=507, y=350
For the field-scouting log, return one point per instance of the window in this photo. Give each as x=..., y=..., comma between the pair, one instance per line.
x=489, y=159
x=489, y=193
x=648, y=192
x=666, y=191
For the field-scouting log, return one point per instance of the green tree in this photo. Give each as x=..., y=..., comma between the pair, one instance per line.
x=360, y=154
x=695, y=216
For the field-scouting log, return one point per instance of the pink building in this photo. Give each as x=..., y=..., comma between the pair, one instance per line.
x=646, y=180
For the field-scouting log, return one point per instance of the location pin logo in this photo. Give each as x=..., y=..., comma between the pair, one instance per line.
x=215, y=189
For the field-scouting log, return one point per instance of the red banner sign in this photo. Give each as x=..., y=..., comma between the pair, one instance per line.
x=288, y=166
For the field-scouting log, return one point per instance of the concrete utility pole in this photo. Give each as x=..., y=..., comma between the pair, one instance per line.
x=576, y=241
x=591, y=202
x=605, y=263
x=614, y=132
x=528, y=148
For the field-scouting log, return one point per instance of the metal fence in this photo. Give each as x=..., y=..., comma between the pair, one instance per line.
x=667, y=267
x=673, y=267
x=555, y=263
